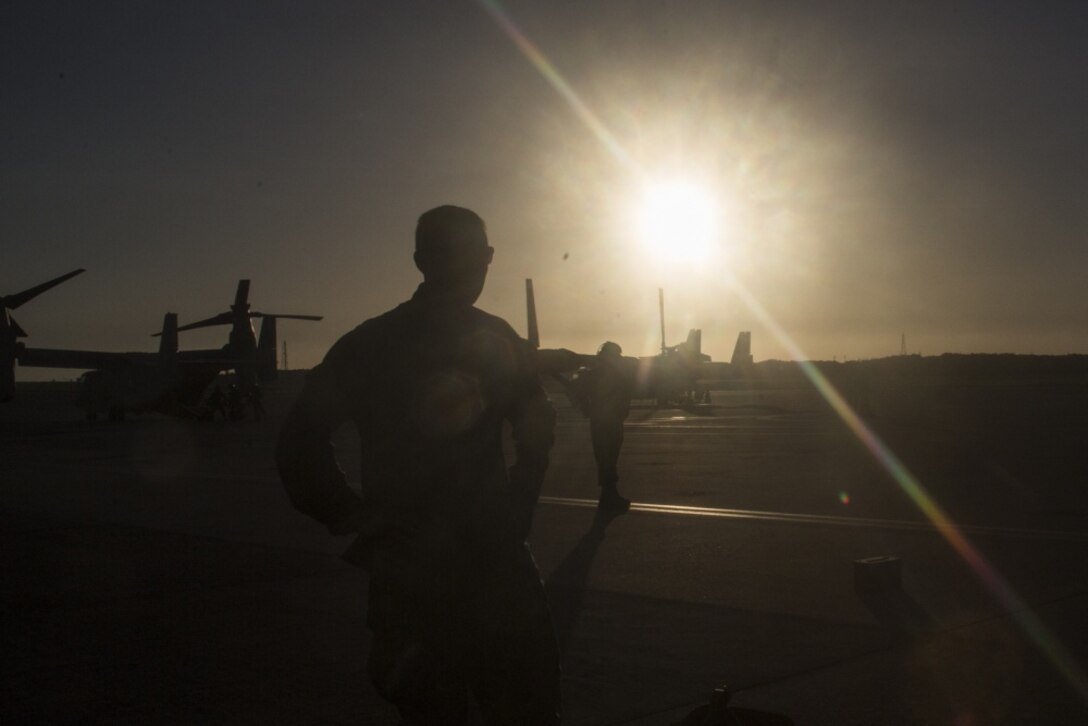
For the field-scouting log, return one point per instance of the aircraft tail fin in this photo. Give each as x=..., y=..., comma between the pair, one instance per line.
x=241, y=295
x=7, y=380
x=266, y=350
x=530, y=311
x=742, y=351
x=695, y=341
x=8, y=346
x=168, y=342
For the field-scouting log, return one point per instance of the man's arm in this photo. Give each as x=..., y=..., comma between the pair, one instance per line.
x=533, y=421
x=574, y=388
x=305, y=456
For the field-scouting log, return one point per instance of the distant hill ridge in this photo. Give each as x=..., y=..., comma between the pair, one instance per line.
x=945, y=368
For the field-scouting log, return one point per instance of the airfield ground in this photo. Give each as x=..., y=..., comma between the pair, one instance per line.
x=155, y=572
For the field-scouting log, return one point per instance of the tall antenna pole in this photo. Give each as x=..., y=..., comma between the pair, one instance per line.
x=661, y=310
x=530, y=313
x=285, y=355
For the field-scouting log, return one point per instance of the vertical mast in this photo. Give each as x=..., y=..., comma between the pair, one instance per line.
x=530, y=313
x=661, y=310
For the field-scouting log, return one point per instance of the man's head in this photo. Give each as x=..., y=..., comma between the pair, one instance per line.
x=609, y=349
x=452, y=251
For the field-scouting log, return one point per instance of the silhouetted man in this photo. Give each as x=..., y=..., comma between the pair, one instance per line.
x=605, y=393
x=456, y=603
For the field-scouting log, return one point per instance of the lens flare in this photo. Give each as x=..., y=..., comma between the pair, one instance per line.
x=553, y=77
x=1000, y=588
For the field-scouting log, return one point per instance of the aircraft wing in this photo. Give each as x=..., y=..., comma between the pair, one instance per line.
x=81, y=359
x=560, y=360
x=214, y=356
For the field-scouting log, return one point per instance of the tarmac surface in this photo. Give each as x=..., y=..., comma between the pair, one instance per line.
x=154, y=571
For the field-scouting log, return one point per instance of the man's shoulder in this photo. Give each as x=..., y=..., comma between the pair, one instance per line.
x=493, y=323
x=381, y=324
x=377, y=331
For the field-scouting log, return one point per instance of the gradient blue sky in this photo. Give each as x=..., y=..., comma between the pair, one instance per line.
x=887, y=167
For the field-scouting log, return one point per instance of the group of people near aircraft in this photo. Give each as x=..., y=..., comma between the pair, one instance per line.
x=233, y=405
x=455, y=603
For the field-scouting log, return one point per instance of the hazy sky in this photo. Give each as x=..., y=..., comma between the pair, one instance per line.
x=881, y=167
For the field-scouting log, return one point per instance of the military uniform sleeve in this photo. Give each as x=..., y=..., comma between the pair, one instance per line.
x=533, y=421
x=305, y=456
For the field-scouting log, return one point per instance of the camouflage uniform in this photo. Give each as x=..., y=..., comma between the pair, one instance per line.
x=455, y=601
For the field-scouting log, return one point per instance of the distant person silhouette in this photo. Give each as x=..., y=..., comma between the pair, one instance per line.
x=216, y=404
x=235, y=402
x=604, y=391
x=456, y=604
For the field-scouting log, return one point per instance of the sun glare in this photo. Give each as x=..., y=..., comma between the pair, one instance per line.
x=677, y=220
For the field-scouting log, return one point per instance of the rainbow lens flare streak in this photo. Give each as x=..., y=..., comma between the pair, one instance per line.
x=1000, y=588
x=986, y=572
x=552, y=76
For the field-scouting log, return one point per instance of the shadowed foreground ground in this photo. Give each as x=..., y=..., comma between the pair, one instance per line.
x=154, y=572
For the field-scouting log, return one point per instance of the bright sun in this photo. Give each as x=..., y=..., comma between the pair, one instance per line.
x=677, y=220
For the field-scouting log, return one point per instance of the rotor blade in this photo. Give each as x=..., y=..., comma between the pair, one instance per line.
x=13, y=301
x=220, y=319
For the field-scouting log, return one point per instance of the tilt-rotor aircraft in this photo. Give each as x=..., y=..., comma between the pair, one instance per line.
x=168, y=381
x=253, y=360
x=10, y=331
x=673, y=375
